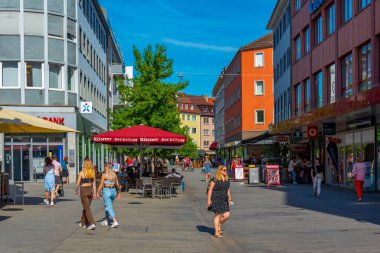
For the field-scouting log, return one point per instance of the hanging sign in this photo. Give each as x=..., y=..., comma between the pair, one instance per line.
x=85, y=107
x=312, y=132
x=297, y=135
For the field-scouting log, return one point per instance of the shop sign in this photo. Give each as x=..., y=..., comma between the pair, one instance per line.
x=298, y=148
x=297, y=135
x=329, y=129
x=312, y=132
x=85, y=107
x=56, y=120
x=314, y=5
x=360, y=123
x=281, y=138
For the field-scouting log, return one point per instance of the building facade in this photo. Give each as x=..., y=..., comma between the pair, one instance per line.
x=190, y=116
x=248, y=93
x=55, y=54
x=335, y=84
x=280, y=23
x=218, y=94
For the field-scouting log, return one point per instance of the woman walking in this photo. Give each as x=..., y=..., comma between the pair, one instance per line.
x=219, y=199
x=207, y=168
x=49, y=181
x=317, y=176
x=358, y=173
x=86, y=181
x=109, y=183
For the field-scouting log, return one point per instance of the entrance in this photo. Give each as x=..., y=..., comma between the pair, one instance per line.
x=21, y=163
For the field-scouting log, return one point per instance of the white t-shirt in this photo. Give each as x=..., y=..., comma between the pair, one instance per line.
x=291, y=165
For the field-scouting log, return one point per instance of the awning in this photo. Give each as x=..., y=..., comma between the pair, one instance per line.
x=213, y=145
x=17, y=122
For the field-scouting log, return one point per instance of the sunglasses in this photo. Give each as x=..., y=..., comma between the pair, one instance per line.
x=224, y=170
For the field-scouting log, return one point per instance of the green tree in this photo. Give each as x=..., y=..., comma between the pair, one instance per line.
x=151, y=100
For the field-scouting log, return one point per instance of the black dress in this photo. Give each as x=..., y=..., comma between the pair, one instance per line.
x=219, y=197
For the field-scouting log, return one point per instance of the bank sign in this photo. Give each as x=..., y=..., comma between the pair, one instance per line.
x=314, y=5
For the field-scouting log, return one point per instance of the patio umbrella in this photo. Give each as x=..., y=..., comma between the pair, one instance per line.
x=17, y=122
x=141, y=137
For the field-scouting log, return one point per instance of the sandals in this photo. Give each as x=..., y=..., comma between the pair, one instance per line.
x=218, y=236
x=221, y=231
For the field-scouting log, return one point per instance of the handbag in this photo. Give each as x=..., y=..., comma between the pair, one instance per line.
x=210, y=208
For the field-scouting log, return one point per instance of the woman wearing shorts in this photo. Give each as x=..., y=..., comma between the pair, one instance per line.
x=49, y=181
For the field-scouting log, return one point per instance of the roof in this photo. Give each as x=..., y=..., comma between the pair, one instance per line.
x=196, y=101
x=276, y=14
x=263, y=42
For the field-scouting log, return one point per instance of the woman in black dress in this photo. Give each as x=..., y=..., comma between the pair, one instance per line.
x=219, y=198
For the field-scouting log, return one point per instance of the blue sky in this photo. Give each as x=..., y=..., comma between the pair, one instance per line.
x=202, y=36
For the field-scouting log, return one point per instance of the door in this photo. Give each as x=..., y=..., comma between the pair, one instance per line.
x=21, y=163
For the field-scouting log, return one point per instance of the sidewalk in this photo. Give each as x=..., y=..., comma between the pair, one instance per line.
x=285, y=219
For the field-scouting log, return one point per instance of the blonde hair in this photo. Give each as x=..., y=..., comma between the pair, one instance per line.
x=88, y=169
x=108, y=171
x=218, y=174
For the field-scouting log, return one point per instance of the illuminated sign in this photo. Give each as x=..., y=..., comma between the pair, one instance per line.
x=314, y=5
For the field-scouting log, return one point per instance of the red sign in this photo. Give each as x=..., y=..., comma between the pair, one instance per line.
x=56, y=120
x=281, y=138
x=312, y=132
x=272, y=175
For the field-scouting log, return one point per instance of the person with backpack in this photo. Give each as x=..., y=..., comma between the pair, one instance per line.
x=317, y=177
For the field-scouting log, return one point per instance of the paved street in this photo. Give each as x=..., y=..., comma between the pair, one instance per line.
x=286, y=219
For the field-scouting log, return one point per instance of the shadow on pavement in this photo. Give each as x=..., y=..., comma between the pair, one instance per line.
x=2, y=218
x=205, y=229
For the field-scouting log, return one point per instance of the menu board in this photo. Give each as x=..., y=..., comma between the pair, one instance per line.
x=272, y=175
x=239, y=173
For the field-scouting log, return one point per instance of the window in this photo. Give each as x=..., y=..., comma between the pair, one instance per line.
x=298, y=99
x=331, y=19
x=307, y=95
x=259, y=88
x=365, y=72
x=183, y=117
x=71, y=29
x=195, y=142
x=206, y=132
x=363, y=4
x=318, y=30
x=319, y=89
x=259, y=59
x=55, y=25
x=70, y=78
x=33, y=74
x=213, y=120
x=194, y=118
x=213, y=132
x=298, y=48
x=205, y=120
x=347, y=10
x=9, y=74
x=188, y=117
x=55, y=76
x=191, y=107
x=307, y=40
x=186, y=106
x=347, y=76
x=181, y=106
x=206, y=143
x=297, y=5
x=259, y=117
x=194, y=130
x=331, y=84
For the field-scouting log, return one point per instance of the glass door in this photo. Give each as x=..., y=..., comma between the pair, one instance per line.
x=21, y=163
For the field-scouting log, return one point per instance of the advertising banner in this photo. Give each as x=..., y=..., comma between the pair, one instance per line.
x=272, y=175
x=239, y=173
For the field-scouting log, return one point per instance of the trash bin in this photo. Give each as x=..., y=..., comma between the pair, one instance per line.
x=253, y=177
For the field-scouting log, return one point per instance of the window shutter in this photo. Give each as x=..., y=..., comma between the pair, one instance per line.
x=33, y=23
x=9, y=22
x=55, y=25
x=71, y=27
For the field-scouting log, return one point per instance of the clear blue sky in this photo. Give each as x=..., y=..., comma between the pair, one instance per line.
x=202, y=36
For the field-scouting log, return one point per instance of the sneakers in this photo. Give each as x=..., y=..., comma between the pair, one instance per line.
x=91, y=227
x=115, y=224
x=52, y=203
x=46, y=201
x=80, y=225
x=105, y=222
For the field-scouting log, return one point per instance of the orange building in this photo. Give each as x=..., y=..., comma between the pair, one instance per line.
x=248, y=91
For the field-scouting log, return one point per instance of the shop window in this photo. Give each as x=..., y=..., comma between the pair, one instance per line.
x=318, y=81
x=331, y=84
x=34, y=75
x=347, y=76
x=347, y=10
x=331, y=19
x=365, y=72
x=9, y=74
x=259, y=119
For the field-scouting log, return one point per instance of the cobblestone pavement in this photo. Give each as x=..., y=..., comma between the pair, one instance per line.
x=285, y=219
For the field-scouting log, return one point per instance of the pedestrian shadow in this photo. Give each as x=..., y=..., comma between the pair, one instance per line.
x=3, y=218
x=204, y=229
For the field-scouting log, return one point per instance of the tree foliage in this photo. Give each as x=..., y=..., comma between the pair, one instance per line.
x=150, y=100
